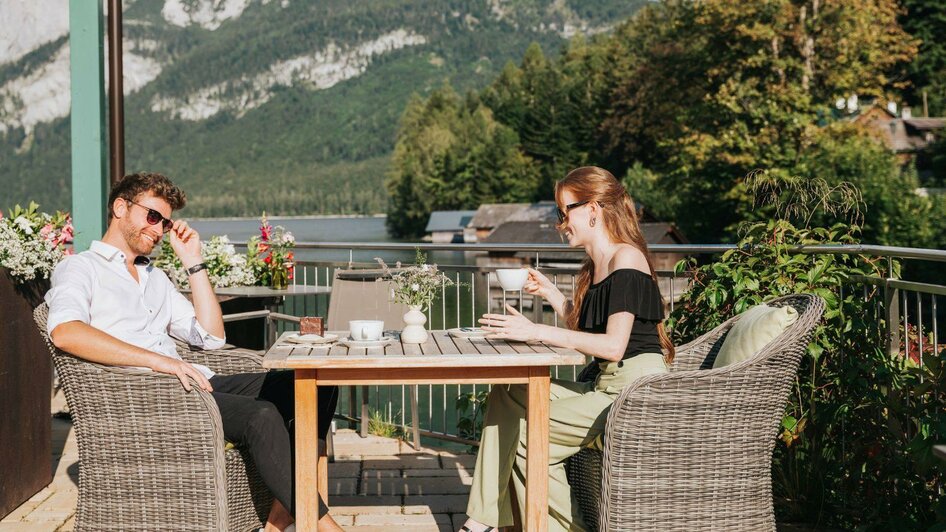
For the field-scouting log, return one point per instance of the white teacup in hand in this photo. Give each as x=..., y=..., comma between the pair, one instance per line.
x=512, y=278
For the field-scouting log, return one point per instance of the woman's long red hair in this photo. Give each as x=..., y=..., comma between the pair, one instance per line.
x=590, y=183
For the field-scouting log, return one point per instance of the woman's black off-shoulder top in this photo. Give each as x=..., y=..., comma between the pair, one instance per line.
x=625, y=290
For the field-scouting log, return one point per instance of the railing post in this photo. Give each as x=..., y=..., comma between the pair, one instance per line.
x=892, y=313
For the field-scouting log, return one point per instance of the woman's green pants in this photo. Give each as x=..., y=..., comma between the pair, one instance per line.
x=577, y=416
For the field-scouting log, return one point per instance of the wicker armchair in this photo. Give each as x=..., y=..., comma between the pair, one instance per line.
x=151, y=455
x=692, y=449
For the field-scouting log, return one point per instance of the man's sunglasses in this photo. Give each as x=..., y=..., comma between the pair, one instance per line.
x=564, y=214
x=154, y=217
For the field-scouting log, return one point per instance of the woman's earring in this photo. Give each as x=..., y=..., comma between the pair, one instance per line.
x=593, y=221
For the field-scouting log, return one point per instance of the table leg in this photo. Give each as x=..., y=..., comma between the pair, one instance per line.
x=307, y=450
x=537, y=451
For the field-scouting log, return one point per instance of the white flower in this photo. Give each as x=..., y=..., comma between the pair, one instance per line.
x=287, y=238
x=415, y=287
x=24, y=224
x=425, y=268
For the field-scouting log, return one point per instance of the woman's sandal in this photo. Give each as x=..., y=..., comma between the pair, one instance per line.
x=467, y=529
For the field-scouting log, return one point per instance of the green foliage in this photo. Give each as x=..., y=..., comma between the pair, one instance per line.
x=748, y=93
x=380, y=427
x=856, y=439
x=452, y=154
x=926, y=21
x=471, y=409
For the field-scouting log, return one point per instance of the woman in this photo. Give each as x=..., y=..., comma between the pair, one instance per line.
x=616, y=316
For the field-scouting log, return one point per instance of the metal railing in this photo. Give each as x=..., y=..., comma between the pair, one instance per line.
x=911, y=306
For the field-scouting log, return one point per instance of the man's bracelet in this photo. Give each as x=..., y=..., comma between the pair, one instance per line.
x=196, y=268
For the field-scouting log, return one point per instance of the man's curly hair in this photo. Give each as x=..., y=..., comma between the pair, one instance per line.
x=133, y=185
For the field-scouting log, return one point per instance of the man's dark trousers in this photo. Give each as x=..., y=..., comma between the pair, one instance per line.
x=257, y=410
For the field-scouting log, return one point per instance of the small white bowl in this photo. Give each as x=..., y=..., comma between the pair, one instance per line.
x=512, y=278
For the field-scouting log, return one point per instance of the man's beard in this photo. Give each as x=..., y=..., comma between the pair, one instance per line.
x=136, y=241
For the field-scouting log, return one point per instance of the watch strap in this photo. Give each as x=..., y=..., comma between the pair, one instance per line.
x=196, y=268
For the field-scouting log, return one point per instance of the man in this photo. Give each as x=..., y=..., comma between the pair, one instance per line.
x=111, y=306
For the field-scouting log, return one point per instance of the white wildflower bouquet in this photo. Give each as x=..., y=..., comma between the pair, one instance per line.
x=224, y=265
x=32, y=243
x=417, y=285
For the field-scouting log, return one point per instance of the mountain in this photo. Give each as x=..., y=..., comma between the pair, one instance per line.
x=285, y=105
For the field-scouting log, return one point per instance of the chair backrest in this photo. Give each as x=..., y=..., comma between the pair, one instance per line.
x=360, y=295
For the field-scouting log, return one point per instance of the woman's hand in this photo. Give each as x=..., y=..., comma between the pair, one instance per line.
x=539, y=284
x=512, y=326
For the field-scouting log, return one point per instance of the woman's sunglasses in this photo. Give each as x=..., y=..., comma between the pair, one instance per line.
x=564, y=214
x=154, y=217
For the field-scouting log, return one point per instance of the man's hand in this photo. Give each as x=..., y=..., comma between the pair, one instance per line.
x=182, y=370
x=186, y=243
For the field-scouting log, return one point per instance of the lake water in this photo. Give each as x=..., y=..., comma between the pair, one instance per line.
x=323, y=229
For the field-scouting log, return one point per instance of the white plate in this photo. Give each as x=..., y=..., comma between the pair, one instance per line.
x=348, y=342
x=310, y=339
x=467, y=332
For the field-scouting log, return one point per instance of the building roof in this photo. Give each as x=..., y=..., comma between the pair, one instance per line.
x=902, y=135
x=491, y=215
x=925, y=124
x=453, y=221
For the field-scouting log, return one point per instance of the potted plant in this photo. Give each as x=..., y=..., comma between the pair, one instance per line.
x=415, y=286
x=270, y=255
x=31, y=245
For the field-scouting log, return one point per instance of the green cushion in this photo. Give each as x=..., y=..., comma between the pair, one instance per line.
x=756, y=327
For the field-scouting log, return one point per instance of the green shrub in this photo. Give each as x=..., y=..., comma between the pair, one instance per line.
x=855, y=449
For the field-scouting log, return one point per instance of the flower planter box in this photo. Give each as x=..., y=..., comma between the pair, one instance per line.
x=25, y=386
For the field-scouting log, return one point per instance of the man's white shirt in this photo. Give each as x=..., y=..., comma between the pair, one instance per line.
x=95, y=287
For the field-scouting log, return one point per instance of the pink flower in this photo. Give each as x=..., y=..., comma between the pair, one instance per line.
x=68, y=232
x=46, y=230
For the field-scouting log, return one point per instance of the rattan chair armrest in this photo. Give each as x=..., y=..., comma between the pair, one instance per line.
x=693, y=355
x=225, y=361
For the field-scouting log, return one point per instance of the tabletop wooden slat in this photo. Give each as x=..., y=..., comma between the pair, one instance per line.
x=463, y=345
x=394, y=349
x=411, y=349
x=376, y=351
x=357, y=351
x=430, y=347
x=482, y=345
x=521, y=347
x=445, y=342
x=502, y=347
x=338, y=350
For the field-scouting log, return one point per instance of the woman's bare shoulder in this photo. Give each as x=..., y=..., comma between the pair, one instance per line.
x=628, y=256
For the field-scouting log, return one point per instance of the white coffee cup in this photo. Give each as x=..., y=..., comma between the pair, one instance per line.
x=366, y=330
x=512, y=278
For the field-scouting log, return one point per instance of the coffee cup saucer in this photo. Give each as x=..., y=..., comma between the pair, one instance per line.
x=311, y=338
x=383, y=341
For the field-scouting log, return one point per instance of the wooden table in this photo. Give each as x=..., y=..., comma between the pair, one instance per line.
x=441, y=360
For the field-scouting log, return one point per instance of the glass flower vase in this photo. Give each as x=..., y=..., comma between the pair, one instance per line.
x=280, y=277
